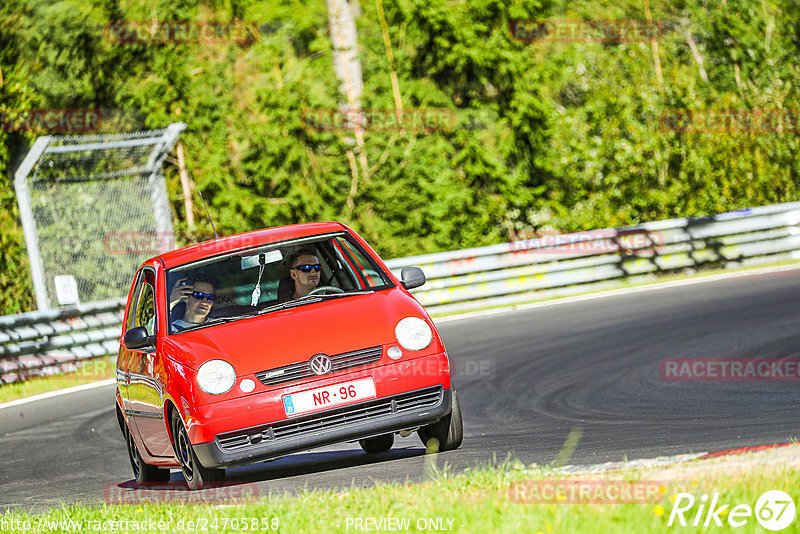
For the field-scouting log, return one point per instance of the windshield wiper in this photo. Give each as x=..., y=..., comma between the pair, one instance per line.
x=334, y=295
x=288, y=304
x=217, y=320
x=307, y=299
x=282, y=306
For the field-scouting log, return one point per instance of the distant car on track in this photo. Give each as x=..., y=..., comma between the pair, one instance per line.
x=267, y=373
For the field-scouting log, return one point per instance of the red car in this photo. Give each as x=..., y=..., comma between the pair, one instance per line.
x=254, y=346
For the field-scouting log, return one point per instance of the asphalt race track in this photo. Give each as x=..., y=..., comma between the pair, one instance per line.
x=525, y=379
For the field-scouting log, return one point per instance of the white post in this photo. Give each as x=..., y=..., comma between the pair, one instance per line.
x=28, y=222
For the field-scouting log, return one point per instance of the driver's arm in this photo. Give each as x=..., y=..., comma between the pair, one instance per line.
x=180, y=291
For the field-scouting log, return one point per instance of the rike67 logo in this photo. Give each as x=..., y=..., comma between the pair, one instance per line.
x=774, y=510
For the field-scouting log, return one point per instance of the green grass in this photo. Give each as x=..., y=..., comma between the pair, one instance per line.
x=476, y=501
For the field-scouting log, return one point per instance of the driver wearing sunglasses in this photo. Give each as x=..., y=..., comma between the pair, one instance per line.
x=199, y=301
x=305, y=272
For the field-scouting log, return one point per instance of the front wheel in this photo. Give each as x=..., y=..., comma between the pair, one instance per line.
x=196, y=474
x=448, y=432
x=377, y=444
x=142, y=472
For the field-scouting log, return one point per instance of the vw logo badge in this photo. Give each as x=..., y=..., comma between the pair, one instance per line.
x=320, y=364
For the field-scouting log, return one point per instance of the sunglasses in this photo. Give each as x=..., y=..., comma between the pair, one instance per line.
x=199, y=295
x=309, y=267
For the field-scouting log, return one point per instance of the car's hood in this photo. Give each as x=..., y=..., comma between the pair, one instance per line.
x=288, y=336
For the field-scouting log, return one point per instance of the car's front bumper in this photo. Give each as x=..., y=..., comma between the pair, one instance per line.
x=348, y=423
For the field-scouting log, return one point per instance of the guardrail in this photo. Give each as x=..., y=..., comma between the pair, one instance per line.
x=558, y=265
x=53, y=341
x=498, y=275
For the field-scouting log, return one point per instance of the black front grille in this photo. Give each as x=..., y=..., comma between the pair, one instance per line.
x=301, y=370
x=319, y=422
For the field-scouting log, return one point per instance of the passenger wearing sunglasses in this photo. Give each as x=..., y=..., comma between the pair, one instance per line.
x=199, y=296
x=305, y=272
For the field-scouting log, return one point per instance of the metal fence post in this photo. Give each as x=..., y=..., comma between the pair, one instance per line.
x=28, y=222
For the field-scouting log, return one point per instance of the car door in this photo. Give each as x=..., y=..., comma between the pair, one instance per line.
x=145, y=390
x=122, y=356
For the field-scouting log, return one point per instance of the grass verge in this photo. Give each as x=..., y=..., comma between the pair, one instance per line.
x=478, y=500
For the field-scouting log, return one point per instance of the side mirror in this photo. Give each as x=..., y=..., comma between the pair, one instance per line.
x=412, y=277
x=137, y=338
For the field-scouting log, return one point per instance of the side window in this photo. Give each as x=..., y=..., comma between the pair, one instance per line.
x=368, y=275
x=146, y=309
x=134, y=299
x=143, y=308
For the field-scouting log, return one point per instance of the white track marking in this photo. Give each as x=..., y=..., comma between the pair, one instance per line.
x=58, y=393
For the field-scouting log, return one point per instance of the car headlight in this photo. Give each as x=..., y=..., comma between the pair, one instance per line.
x=216, y=377
x=413, y=333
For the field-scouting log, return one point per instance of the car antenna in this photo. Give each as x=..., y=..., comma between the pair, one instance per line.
x=208, y=214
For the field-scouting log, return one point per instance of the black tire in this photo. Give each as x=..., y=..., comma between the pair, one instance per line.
x=448, y=431
x=377, y=444
x=196, y=474
x=143, y=472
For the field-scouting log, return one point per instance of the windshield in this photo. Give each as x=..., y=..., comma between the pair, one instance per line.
x=269, y=278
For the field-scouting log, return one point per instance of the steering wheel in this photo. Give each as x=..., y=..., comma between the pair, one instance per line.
x=320, y=289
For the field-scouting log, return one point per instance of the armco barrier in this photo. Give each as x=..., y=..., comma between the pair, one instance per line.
x=53, y=341
x=523, y=271
x=505, y=274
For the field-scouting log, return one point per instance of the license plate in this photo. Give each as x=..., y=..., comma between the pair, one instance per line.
x=329, y=396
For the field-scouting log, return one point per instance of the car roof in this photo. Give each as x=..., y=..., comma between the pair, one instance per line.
x=247, y=240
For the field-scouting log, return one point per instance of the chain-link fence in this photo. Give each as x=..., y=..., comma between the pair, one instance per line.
x=93, y=207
